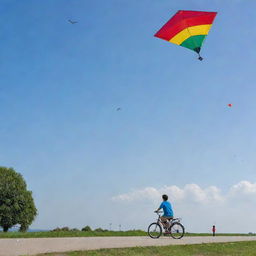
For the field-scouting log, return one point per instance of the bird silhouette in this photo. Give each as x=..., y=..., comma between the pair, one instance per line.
x=72, y=21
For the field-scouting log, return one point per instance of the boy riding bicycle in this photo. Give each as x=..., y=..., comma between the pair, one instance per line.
x=168, y=212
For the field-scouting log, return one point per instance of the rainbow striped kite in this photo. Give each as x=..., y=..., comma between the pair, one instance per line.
x=188, y=29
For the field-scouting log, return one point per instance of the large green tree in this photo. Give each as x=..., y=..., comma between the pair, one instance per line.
x=16, y=202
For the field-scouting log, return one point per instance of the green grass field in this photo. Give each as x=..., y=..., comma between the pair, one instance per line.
x=70, y=234
x=220, y=249
x=91, y=233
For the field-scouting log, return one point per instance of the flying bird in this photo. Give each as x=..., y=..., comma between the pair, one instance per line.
x=73, y=22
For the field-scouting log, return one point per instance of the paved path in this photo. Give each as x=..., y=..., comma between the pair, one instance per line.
x=32, y=246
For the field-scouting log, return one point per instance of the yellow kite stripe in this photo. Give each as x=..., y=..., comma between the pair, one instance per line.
x=190, y=31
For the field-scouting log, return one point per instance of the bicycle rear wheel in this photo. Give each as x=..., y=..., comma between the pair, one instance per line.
x=177, y=230
x=154, y=230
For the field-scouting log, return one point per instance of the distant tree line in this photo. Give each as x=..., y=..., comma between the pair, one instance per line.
x=84, y=229
x=89, y=229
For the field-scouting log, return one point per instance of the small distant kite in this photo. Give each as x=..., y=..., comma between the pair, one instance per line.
x=118, y=109
x=230, y=105
x=188, y=29
x=73, y=22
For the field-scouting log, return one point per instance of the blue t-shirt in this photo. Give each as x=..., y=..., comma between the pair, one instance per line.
x=167, y=207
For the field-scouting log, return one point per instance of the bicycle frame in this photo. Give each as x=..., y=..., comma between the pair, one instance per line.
x=171, y=221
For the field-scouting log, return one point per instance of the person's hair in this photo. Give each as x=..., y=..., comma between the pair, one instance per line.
x=165, y=197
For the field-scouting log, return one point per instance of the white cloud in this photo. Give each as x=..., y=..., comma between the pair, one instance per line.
x=244, y=187
x=146, y=193
x=191, y=192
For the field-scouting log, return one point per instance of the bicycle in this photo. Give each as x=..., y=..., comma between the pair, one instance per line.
x=176, y=230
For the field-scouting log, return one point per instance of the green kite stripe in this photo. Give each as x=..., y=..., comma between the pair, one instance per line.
x=194, y=42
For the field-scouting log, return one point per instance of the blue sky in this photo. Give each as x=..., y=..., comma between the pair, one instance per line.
x=61, y=84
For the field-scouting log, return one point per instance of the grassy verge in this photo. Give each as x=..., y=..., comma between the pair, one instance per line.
x=91, y=234
x=219, y=249
x=70, y=234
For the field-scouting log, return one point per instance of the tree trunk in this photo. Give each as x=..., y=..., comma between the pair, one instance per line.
x=5, y=228
x=23, y=228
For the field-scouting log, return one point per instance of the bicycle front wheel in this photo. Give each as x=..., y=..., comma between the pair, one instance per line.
x=154, y=230
x=177, y=230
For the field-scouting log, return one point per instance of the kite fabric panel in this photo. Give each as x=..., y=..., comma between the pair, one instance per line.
x=187, y=29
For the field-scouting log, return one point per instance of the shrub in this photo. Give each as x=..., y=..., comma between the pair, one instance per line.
x=99, y=230
x=65, y=229
x=56, y=229
x=87, y=229
x=60, y=229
